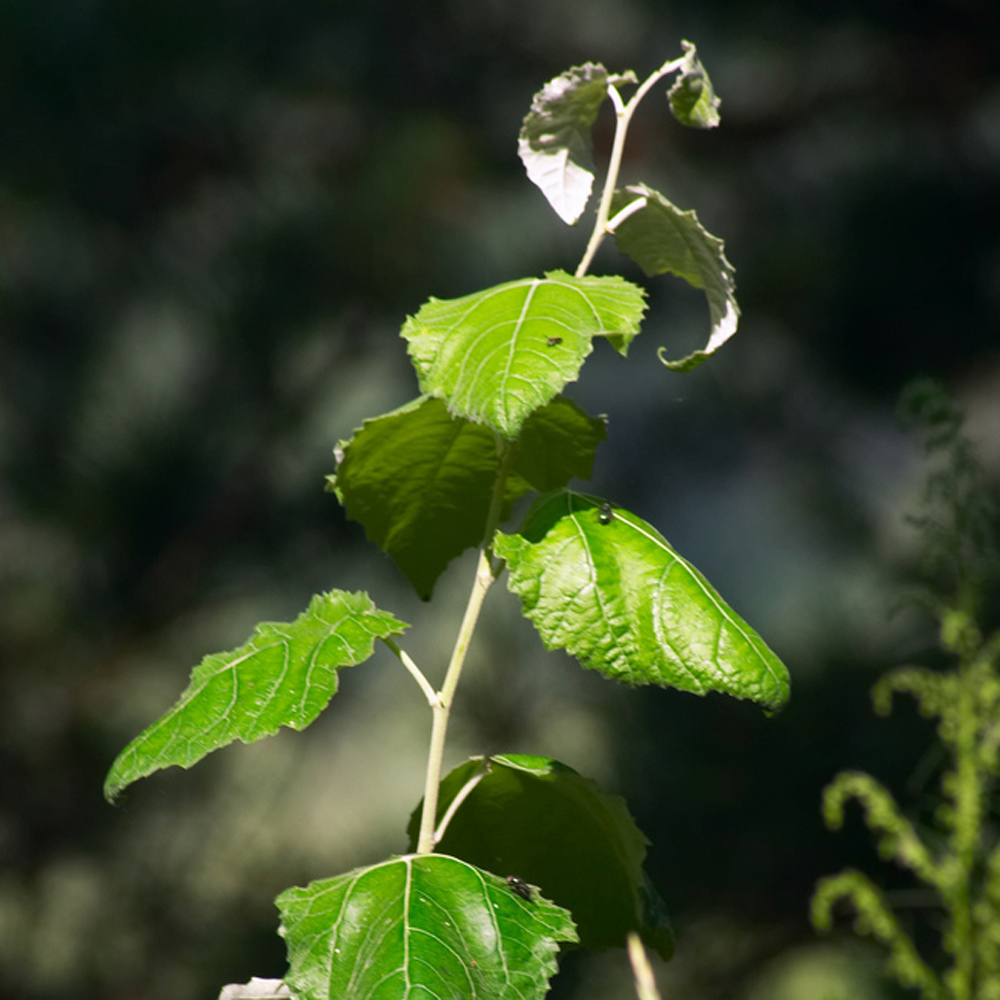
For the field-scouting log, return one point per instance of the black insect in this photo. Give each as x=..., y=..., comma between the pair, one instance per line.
x=604, y=515
x=519, y=887
x=552, y=341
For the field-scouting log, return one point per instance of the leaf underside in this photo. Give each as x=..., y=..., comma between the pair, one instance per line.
x=542, y=821
x=498, y=355
x=555, y=143
x=285, y=675
x=420, y=480
x=604, y=585
x=662, y=239
x=419, y=926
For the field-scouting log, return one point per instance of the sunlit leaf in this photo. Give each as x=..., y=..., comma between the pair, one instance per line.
x=420, y=480
x=285, y=675
x=555, y=143
x=498, y=355
x=692, y=97
x=662, y=239
x=607, y=587
x=541, y=821
x=420, y=926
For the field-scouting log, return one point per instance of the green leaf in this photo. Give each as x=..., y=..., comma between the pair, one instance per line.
x=555, y=143
x=542, y=821
x=285, y=675
x=662, y=239
x=498, y=355
x=419, y=926
x=607, y=587
x=557, y=443
x=420, y=480
x=692, y=97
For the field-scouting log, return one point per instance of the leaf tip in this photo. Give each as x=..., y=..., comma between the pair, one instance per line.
x=113, y=788
x=687, y=364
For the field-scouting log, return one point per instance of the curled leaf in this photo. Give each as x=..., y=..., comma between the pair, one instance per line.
x=662, y=239
x=692, y=97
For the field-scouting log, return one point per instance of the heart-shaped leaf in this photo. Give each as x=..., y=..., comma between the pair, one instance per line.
x=498, y=355
x=692, y=97
x=285, y=675
x=541, y=821
x=607, y=587
x=420, y=480
x=420, y=926
x=555, y=144
x=662, y=239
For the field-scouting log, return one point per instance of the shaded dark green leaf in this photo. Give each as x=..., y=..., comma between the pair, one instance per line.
x=540, y=820
x=420, y=480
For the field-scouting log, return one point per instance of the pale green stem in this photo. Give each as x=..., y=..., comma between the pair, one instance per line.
x=418, y=675
x=623, y=116
x=485, y=575
x=645, y=983
x=442, y=710
x=457, y=801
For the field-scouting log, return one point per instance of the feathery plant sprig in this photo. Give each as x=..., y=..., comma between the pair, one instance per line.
x=959, y=559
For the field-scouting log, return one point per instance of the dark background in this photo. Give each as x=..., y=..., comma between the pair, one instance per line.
x=214, y=217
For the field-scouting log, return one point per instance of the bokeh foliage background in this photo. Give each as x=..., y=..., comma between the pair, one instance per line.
x=214, y=217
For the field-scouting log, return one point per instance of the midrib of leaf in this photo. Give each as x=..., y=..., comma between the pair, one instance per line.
x=512, y=343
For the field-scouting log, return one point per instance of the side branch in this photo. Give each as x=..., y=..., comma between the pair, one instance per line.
x=418, y=675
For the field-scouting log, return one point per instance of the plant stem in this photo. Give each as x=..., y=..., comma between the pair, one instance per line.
x=442, y=710
x=623, y=116
x=645, y=983
x=486, y=573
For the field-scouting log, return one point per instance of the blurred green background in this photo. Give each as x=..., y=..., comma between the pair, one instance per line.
x=214, y=217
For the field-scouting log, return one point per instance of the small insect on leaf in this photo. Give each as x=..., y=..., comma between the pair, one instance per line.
x=604, y=515
x=519, y=887
x=552, y=341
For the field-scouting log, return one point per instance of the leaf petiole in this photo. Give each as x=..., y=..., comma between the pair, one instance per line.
x=630, y=209
x=433, y=699
x=457, y=801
